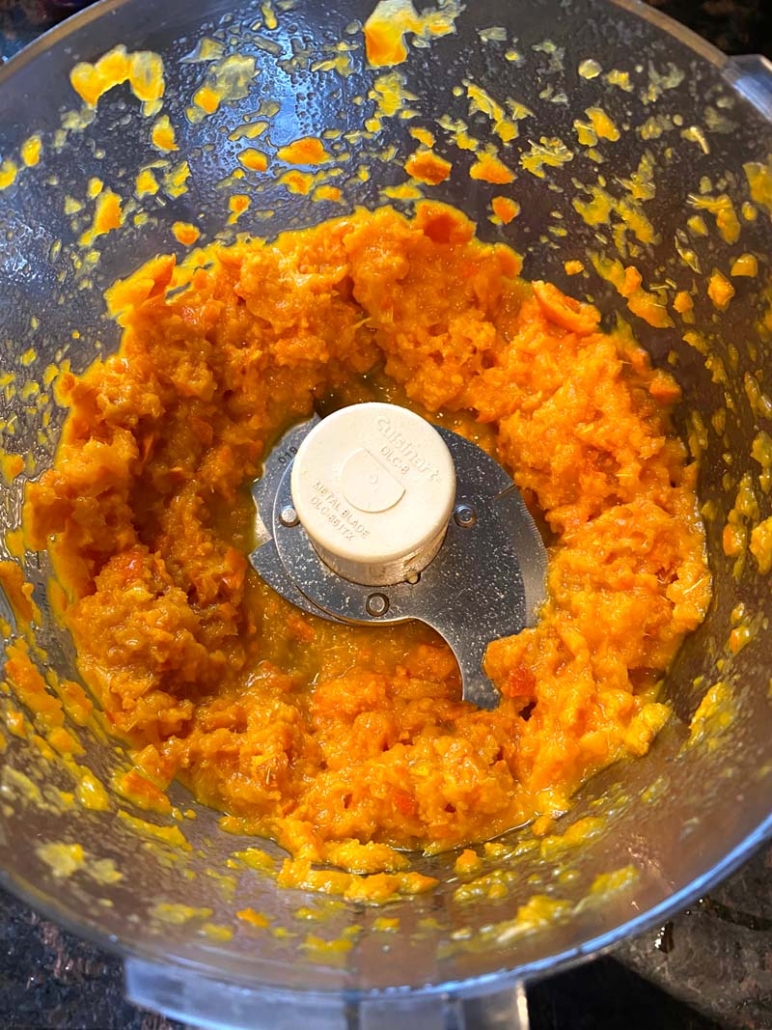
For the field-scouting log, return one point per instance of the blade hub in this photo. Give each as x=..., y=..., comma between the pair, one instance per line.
x=485, y=579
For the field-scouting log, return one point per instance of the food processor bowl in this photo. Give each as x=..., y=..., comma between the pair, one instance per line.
x=691, y=127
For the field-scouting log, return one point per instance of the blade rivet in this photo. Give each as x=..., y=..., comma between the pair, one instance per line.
x=288, y=516
x=465, y=516
x=377, y=605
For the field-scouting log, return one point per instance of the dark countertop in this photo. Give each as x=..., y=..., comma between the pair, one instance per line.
x=710, y=968
x=734, y=26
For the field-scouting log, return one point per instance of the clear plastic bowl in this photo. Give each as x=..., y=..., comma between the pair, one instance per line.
x=682, y=817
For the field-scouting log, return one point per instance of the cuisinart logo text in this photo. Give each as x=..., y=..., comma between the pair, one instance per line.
x=400, y=453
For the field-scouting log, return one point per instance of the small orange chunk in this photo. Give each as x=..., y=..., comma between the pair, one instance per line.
x=254, y=160
x=490, y=169
x=186, y=233
x=428, y=167
x=566, y=311
x=162, y=135
x=505, y=208
x=720, y=290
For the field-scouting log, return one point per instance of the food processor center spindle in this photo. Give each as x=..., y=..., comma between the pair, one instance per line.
x=374, y=496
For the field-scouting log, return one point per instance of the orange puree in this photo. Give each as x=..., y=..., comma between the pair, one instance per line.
x=342, y=742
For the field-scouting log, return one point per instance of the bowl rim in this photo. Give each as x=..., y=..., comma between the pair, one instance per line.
x=496, y=981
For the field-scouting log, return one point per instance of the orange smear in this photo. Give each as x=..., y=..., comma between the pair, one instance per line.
x=143, y=70
x=108, y=215
x=11, y=466
x=297, y=182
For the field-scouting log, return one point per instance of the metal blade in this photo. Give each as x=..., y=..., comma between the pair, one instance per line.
x=473, y=592
x=276, y=464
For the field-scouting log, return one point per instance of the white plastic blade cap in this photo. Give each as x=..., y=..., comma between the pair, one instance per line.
x=373, y=486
